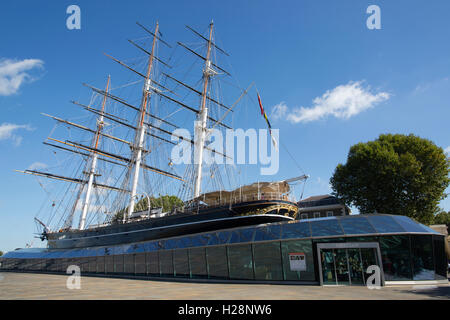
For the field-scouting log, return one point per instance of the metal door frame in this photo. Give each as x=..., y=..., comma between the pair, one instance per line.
x=350, y=245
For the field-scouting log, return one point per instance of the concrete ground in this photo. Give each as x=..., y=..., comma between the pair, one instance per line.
x=48, y=286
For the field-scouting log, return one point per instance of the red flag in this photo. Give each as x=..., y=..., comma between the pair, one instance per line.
x=260, y=105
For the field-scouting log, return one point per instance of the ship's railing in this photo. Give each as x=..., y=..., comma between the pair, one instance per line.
x=239, y=198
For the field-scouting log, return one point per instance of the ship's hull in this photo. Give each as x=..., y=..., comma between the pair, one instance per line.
x=244, y=214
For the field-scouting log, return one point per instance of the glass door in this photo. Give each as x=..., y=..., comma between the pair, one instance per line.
x=328, y=266
x=342, y=268
x=368, y=258
x=343, y=264
x=355, y=266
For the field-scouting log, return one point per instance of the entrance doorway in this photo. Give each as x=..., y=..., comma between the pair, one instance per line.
x=347, y=263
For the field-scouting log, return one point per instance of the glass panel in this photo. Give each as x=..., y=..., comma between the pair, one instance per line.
x=152, y=262
x=356, y=267
x=328, y=266
x=246, y=234
x=356, y=225
x=213, y=239
x=166, y=263
x=181, y=263
x=384, y=224
x=197, y=259
x=100, y=264
x=128, y=266
x=298, y=246
x=139, y=261
x=109, y=264
x=268, y=265
x=295, y=230
x=240, y=261
x=409, y=225
x=422, y=257
x=224, y=236
x=368, y=258
x=342, y=272
x=235, y=237
x=118, y=263
x=440, y=259
x=268, y=233
x=396, y=257
x=326, y=227
x=92, y=264
x=217, y=262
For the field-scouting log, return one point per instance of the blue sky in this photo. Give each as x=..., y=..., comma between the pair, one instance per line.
x=315, y=55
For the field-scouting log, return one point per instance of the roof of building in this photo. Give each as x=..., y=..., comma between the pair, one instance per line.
x=316, y=198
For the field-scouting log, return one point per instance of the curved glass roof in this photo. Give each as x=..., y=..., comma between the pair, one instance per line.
x=343, y=226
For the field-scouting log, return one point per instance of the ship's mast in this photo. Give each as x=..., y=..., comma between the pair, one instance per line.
x=140, y=132
x=200, y=124
x=94, y=158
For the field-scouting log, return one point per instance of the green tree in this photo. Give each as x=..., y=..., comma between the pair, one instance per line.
x=395, y=174
x=168, y=203
x=1, y=253
x=442, y=218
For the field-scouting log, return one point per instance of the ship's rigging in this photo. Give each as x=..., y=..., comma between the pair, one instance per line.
x=125, y=160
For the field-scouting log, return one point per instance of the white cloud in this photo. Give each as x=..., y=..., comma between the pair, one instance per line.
x=13, y=73
x=7, y=132
x=37, y=165
x=343, y=102
x=279, y=111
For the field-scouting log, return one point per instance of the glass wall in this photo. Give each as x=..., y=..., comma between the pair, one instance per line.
x=240, y=260
x=268, y=263
x=152, y=263
x=288, y=250
x=197, y=261
x=422, y=257
x=404, y=256
x=216, y=258
x=181, y=263
x=166, y=263
x=440, y=258
x=395, y=253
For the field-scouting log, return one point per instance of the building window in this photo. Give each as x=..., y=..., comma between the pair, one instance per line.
x=316, y=214
x=329, y=213
x=304, y=216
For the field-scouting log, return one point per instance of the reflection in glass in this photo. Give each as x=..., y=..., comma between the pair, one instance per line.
x=342, y=272
x=197, y=260
x=396, y=257
x=181, y=263
x=422, y=257
x=166, y=263
x=217, y=262
x=355, y=265
x=328, y=266
x=152, y=262
x=240, y=262
x=268, y=261
x=440, y=257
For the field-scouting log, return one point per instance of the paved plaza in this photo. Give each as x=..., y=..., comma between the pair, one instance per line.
x=49, y=286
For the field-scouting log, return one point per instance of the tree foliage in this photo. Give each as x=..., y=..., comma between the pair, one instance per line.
x=1, y=253
x=167, y=203
x=395, y=174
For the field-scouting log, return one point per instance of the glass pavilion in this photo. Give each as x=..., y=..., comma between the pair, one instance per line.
x=326, y=251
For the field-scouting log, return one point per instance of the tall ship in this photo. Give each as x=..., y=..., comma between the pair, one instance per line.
x=120, y=178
